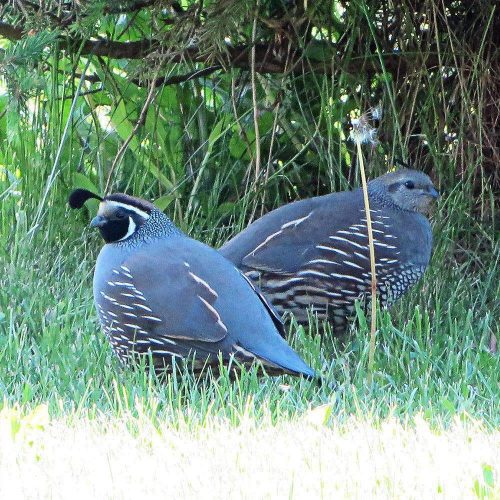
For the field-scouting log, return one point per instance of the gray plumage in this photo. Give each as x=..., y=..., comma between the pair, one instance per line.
x=314, y=253
x=159, y=292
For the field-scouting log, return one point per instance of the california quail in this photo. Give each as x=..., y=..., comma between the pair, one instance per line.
x=161, y=293
x=314, y=252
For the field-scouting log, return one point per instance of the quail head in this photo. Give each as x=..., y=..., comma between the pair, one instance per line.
x=313, y=254
x=160, y=293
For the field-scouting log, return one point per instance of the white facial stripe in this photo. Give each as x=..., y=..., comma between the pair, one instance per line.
x=131, y=229
x=138, y=211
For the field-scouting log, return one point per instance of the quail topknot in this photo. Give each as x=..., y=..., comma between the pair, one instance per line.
x=313, y=254
x=161, y=293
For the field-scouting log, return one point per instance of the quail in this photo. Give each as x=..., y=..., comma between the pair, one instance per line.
x=313, y=253
x=161, y=293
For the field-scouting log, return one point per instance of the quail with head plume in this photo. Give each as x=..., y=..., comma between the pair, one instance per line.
x=160, y=293
x=313, y=254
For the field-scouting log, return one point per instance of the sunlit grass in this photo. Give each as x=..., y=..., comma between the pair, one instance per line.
x=300, y=458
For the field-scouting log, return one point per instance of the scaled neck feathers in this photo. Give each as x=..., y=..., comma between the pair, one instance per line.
x=378, y=192
x=158, y=226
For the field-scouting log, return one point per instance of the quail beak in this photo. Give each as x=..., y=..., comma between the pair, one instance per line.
x=98, y=221
x=434, y=193
x=432, y=196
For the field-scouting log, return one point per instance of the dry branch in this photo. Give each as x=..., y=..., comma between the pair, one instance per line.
x=266, y=61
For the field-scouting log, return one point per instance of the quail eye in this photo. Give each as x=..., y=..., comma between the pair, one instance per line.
x=409, y=184
x=121, y=215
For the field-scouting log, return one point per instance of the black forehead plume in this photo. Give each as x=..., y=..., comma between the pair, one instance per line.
x=79, y=196
x=126, y=199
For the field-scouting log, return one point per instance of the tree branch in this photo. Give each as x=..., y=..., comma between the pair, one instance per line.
x=266, y=61
x=176, y=79
x=132, y=7
x=117, y=50
x=10, y=32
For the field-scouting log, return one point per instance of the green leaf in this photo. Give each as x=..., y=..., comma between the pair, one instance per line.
x=216, y=133
x=319, y=51
x=225, y=208
x=237, y=147
x=266, y=121
x=164, y=201
x=124, y=128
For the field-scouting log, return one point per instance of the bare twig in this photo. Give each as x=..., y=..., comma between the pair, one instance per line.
x=81, y=94
x=176, y=79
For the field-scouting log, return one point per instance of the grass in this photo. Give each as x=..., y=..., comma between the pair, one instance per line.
x=433, y=352
x=299, y=458
x=427, y=426
x=72, y=419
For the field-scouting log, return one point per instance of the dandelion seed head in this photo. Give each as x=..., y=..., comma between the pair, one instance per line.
x=362, y=132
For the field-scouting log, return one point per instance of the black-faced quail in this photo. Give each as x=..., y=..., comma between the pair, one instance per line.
x=314, y=253
x=159, y=292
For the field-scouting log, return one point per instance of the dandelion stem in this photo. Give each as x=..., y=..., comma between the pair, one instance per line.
x=373, y=324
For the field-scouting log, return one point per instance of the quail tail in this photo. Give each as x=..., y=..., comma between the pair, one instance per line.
x=279, y=354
